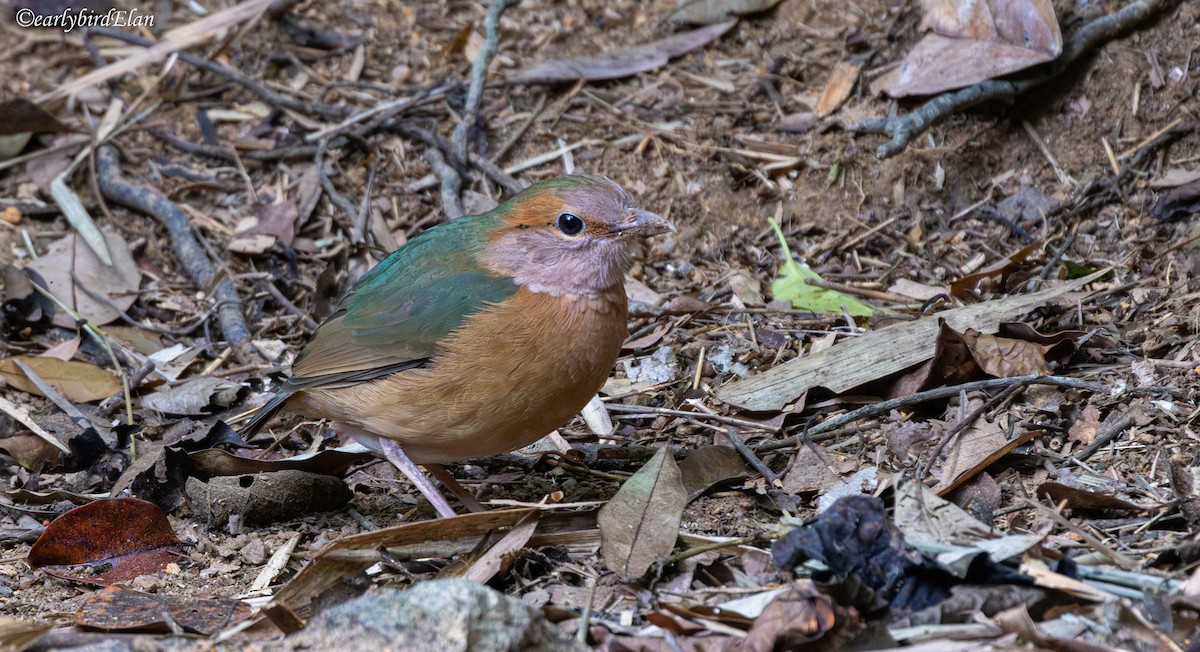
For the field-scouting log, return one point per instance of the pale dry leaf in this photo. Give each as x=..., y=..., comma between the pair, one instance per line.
x=621, y=62
x=705, y=12
x=876, y=354
x=974, y=40
x=118, y=282
x=193, y=396
x=638, y=527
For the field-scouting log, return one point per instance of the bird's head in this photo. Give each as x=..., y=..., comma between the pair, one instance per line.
x=569, y=235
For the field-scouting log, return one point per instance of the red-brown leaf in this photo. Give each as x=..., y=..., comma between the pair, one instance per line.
x=131, y=536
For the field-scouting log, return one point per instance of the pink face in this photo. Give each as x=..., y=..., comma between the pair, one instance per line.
x=570, y=235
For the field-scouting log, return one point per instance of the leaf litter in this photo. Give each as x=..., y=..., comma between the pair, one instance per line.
x=745, y=387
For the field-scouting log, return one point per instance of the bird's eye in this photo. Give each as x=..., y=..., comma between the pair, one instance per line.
x=570, y=224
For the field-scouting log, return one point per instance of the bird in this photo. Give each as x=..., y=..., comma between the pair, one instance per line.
x=478, y=336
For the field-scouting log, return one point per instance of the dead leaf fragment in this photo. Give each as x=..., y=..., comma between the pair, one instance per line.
x=638, y=527
x=78, y=381
x=622, y=62
x=193, y=396
x=130, y=536
x=21, y=115
x=837, y=89
x=117, y=608
x=708, y=466
x=118, y=282
x=16, y=635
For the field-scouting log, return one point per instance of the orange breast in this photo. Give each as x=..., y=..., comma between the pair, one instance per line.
x=508, y=376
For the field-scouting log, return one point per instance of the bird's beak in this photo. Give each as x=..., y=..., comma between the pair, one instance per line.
x=643, y=223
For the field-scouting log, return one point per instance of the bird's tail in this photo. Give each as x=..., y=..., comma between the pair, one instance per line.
x=264, y=414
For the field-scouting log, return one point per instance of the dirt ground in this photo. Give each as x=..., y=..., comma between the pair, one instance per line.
x=692, y=140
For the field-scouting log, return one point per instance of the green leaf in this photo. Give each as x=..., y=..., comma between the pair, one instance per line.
x=791, y=285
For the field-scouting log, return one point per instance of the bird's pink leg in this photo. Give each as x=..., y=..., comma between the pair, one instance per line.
x=396, y=455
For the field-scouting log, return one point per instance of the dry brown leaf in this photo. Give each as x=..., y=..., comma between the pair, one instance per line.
x=118, y=282
x=974, y=40
x=484, y=568
x=1005, y=357
x=837, y=89
x=638, y=527
x=622, y=62
x=1086, y=425
x=119, y=608
x=974, y=450
x=980, y=281
x=708, y=466
x=123, y=537
x=78, y=381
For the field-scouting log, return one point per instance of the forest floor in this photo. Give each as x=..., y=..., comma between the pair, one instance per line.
x=1069, y=179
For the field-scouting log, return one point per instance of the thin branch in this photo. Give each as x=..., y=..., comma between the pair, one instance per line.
x=188, y=250
x=479, y=69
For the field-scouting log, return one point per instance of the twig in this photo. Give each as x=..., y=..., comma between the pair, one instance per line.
x=451, y=183
x=962, y=425
x=884, y=407
x=343, y=204
x=637, y=410
x=55, y=396
x=1106, y=433
x=520, y=131
x=479, y=69
x=263, y=93
x=740, y=446
x=191, y=255
x=309, y=323
x=100, y=339
x=904, y=130
x=107, y=303
x=1115, y=557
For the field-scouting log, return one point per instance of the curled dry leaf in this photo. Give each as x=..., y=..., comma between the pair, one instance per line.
x=118, y=282
x=981, y=281
x=970, y=42
x=130, y=536
x=638, y=527
x=193, y=396
x=623, y=62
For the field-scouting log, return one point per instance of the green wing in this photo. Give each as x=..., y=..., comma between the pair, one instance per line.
x=394, y=317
